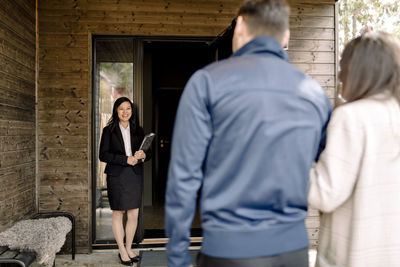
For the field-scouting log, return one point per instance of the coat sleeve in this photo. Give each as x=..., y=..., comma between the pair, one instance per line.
x=191, y=137
x=106, y=154
x=333, y=177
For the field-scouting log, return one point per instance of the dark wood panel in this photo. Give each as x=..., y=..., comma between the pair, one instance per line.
x=18, y=55
x=162, y=6
x=16, y=99
x=17, y=113
x=64, y=40
x=10, y=82
x=10, y=67
x=153, y=28
x=65, y=65
x=11, y=20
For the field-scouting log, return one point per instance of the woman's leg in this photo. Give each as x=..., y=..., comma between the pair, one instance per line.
x=118, y=230
x=130, y=230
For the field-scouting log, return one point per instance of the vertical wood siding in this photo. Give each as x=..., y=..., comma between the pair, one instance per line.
x=17, y=110
x=64, y=97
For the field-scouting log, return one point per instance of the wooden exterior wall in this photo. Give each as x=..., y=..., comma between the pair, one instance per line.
x=64, y=94
x=17, y=111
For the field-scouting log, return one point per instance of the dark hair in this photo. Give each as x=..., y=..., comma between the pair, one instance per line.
x=267, y=17
x=370, y=65
x=114, y=120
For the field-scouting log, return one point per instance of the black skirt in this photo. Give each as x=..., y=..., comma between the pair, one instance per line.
x=125, y=191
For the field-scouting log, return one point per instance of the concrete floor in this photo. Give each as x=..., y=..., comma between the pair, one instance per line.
x=99, y=258
x=109, y=258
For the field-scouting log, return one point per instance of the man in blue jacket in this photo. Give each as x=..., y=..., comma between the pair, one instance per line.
x=246, y=132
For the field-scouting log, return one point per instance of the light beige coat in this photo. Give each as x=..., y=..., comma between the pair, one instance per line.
x=356, y=184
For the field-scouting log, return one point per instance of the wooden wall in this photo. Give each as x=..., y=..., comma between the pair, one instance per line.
x=64, y=96
x=17, y=111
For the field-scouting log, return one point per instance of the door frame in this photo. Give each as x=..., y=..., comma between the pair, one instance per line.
x=139, y=95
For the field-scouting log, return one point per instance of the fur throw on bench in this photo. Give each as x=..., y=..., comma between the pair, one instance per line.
x=45, y=237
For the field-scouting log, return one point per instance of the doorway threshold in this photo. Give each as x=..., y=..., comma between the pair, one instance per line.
x=147, y=243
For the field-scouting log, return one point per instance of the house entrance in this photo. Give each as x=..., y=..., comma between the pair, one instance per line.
x=152, y=72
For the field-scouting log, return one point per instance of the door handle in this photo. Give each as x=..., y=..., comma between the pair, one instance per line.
x=163, y=142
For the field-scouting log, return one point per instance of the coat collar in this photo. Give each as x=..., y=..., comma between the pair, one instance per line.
x=261, y=45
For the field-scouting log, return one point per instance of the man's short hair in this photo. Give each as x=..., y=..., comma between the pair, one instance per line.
x=266, y=17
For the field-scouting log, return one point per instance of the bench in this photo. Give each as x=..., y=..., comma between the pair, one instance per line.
x=26, y=258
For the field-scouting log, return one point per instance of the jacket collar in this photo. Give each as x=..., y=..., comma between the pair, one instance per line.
x=261, y=45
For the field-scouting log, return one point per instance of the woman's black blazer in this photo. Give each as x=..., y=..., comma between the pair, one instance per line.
x=112, y=150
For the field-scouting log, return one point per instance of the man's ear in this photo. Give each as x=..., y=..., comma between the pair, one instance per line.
x=240, y=35
x=286, y=38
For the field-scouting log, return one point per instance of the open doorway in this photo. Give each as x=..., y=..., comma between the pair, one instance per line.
x=169, y=65
x=153, y=73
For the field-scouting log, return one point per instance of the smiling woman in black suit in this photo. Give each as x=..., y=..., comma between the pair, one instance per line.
x=119, y=148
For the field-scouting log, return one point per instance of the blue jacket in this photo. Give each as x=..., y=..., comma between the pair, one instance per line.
x=246, y=132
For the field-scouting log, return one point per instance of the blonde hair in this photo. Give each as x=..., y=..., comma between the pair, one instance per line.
x=370, y=65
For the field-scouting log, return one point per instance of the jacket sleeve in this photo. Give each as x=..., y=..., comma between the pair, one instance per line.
x=105, y=154
x=191, y=137
x=333, y=177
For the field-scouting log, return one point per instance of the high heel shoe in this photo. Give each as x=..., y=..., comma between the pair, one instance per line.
x=127, y=263
x=135, y=259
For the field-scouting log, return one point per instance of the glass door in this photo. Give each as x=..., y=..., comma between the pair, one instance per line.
x=113, y=78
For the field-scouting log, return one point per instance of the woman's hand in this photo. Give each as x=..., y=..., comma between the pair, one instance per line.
x=140, y=154
x=132, y=160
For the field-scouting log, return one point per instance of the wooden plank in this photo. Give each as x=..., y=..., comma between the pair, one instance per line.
x=79, y=165
x=14, y=23
x=311, y=45
x=16, y=113
x=212, y=7
x=107, y=16
x=17, y=41
x=65, y=65
x=312, y=34
x=49, y=104
x=13, y=53
x=325, y=81
x=67, y=53
x=13, y=191
x=311, y=57
x=77, y=90
x=28, y=6
x=14, y=157
x=133, y=28
x=316, y=2
x=317, y=69
x=16, y=99
x=10, y=67
x=60, y=79
x=11, y=82
x=312, y=22
x=57, y=141
x=63, y=40
x=309, y=9
x=14, y=143
x=57, y=129
x=64, y=116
